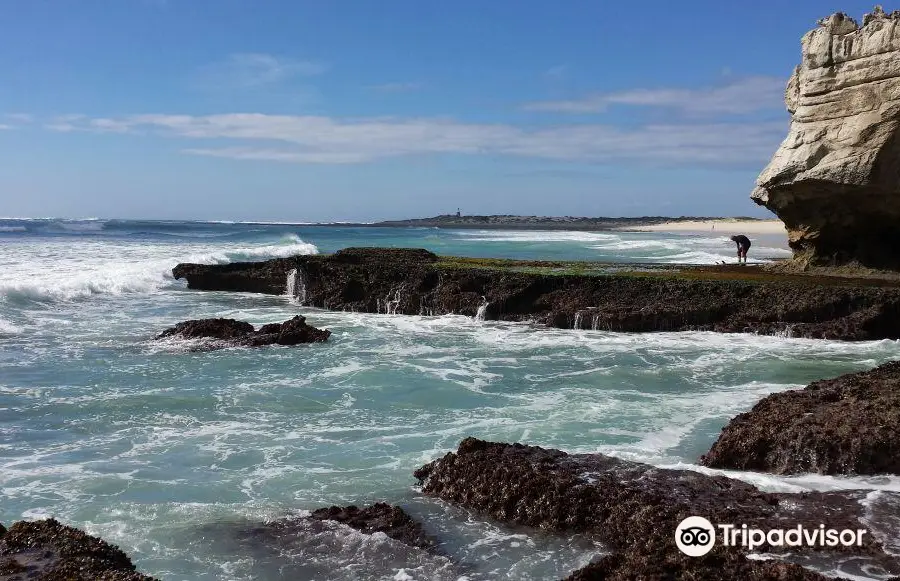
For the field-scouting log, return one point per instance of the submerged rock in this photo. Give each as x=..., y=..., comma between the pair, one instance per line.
x=379, y=518
x=47, y=550
x=846, y=425
x=834, y=181
x=370, y=542
x=634, y=509
x=230, y=332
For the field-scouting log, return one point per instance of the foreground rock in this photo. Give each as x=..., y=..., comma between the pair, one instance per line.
x=639, y=566
x=847, y=425
x=634, y=509
x=835, y=181
x=416, y=282
x=230, y=332
x=47, y=550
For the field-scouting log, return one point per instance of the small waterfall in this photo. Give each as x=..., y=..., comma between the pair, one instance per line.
x=595, y=322
x=296, y=286
x=482, y=310
x=578, y=317
x=787, y=332
x=391, y=304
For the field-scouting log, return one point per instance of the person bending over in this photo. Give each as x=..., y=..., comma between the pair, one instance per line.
x=743, y=245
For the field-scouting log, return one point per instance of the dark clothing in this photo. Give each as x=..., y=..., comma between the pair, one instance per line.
x=742, y=241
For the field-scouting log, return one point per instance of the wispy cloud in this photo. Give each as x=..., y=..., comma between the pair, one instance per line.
x=741, y=96
x=249, y=70
x=327, y=140
x=556, y=73
x=20, y=117
x=5, y=127
x=67, y=123
x=400, y=87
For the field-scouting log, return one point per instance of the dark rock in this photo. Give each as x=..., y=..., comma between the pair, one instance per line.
x=415, y=282
x=380, y=517
x=47, y=550
x=634, y=508
x=224, y=329
x=229, y=332
x=846, y=425
x=639, y=566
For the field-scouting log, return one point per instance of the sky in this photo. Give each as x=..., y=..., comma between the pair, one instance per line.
x=360, y=110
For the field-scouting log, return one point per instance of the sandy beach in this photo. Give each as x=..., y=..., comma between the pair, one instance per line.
x=723, y=225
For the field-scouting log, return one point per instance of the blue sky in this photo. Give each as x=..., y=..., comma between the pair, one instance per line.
x=365, y=110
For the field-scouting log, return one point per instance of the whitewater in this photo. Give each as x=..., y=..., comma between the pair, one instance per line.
x=171, y=453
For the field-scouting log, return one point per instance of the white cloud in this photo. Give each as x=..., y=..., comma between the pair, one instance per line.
x=740, y=96
x=248, y=70
x=326, y=140
x=4, y=127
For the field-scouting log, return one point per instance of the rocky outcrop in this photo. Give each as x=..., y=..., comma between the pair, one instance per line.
x=847, y=425
x=232, y=333
x=416, y=282
x=835, y=180
x=47, y=550
x=634, y=509
x=380, y=518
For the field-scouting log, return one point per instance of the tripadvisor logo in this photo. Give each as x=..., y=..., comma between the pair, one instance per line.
x=696, y=536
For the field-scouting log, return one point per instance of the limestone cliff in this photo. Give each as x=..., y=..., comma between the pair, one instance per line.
x=835, y=180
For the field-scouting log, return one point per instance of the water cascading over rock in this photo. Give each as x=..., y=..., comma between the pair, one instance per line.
x=835, y=180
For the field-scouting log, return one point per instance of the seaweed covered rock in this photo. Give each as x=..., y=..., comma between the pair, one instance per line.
x=47, y=550
x=635, y=509
x=640, y=566
x=846, y=425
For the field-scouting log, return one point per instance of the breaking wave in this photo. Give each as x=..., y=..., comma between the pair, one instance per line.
x=135, y=268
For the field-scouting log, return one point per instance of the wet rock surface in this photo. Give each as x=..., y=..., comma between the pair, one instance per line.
x=834, y=181
x=634, y=509
x=369, y=542
x=637, y=566
x=47, y=550
x=846, y=425
x=379, y=518
x=416, y=282
x=231, y=333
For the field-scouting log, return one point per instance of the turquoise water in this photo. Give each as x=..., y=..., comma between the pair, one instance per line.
x=170, y=453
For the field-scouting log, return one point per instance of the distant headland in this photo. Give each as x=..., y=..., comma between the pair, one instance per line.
x=510, y=221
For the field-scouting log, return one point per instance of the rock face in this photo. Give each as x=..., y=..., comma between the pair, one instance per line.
x=49, y=551
x=835, y=180
x=634, y=509
x=846, y=425
x=230, y=332
x=416, y=282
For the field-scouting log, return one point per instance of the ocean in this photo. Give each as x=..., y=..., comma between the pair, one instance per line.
x=171, y=454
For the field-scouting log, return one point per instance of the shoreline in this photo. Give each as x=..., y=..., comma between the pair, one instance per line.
x=718, y=226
